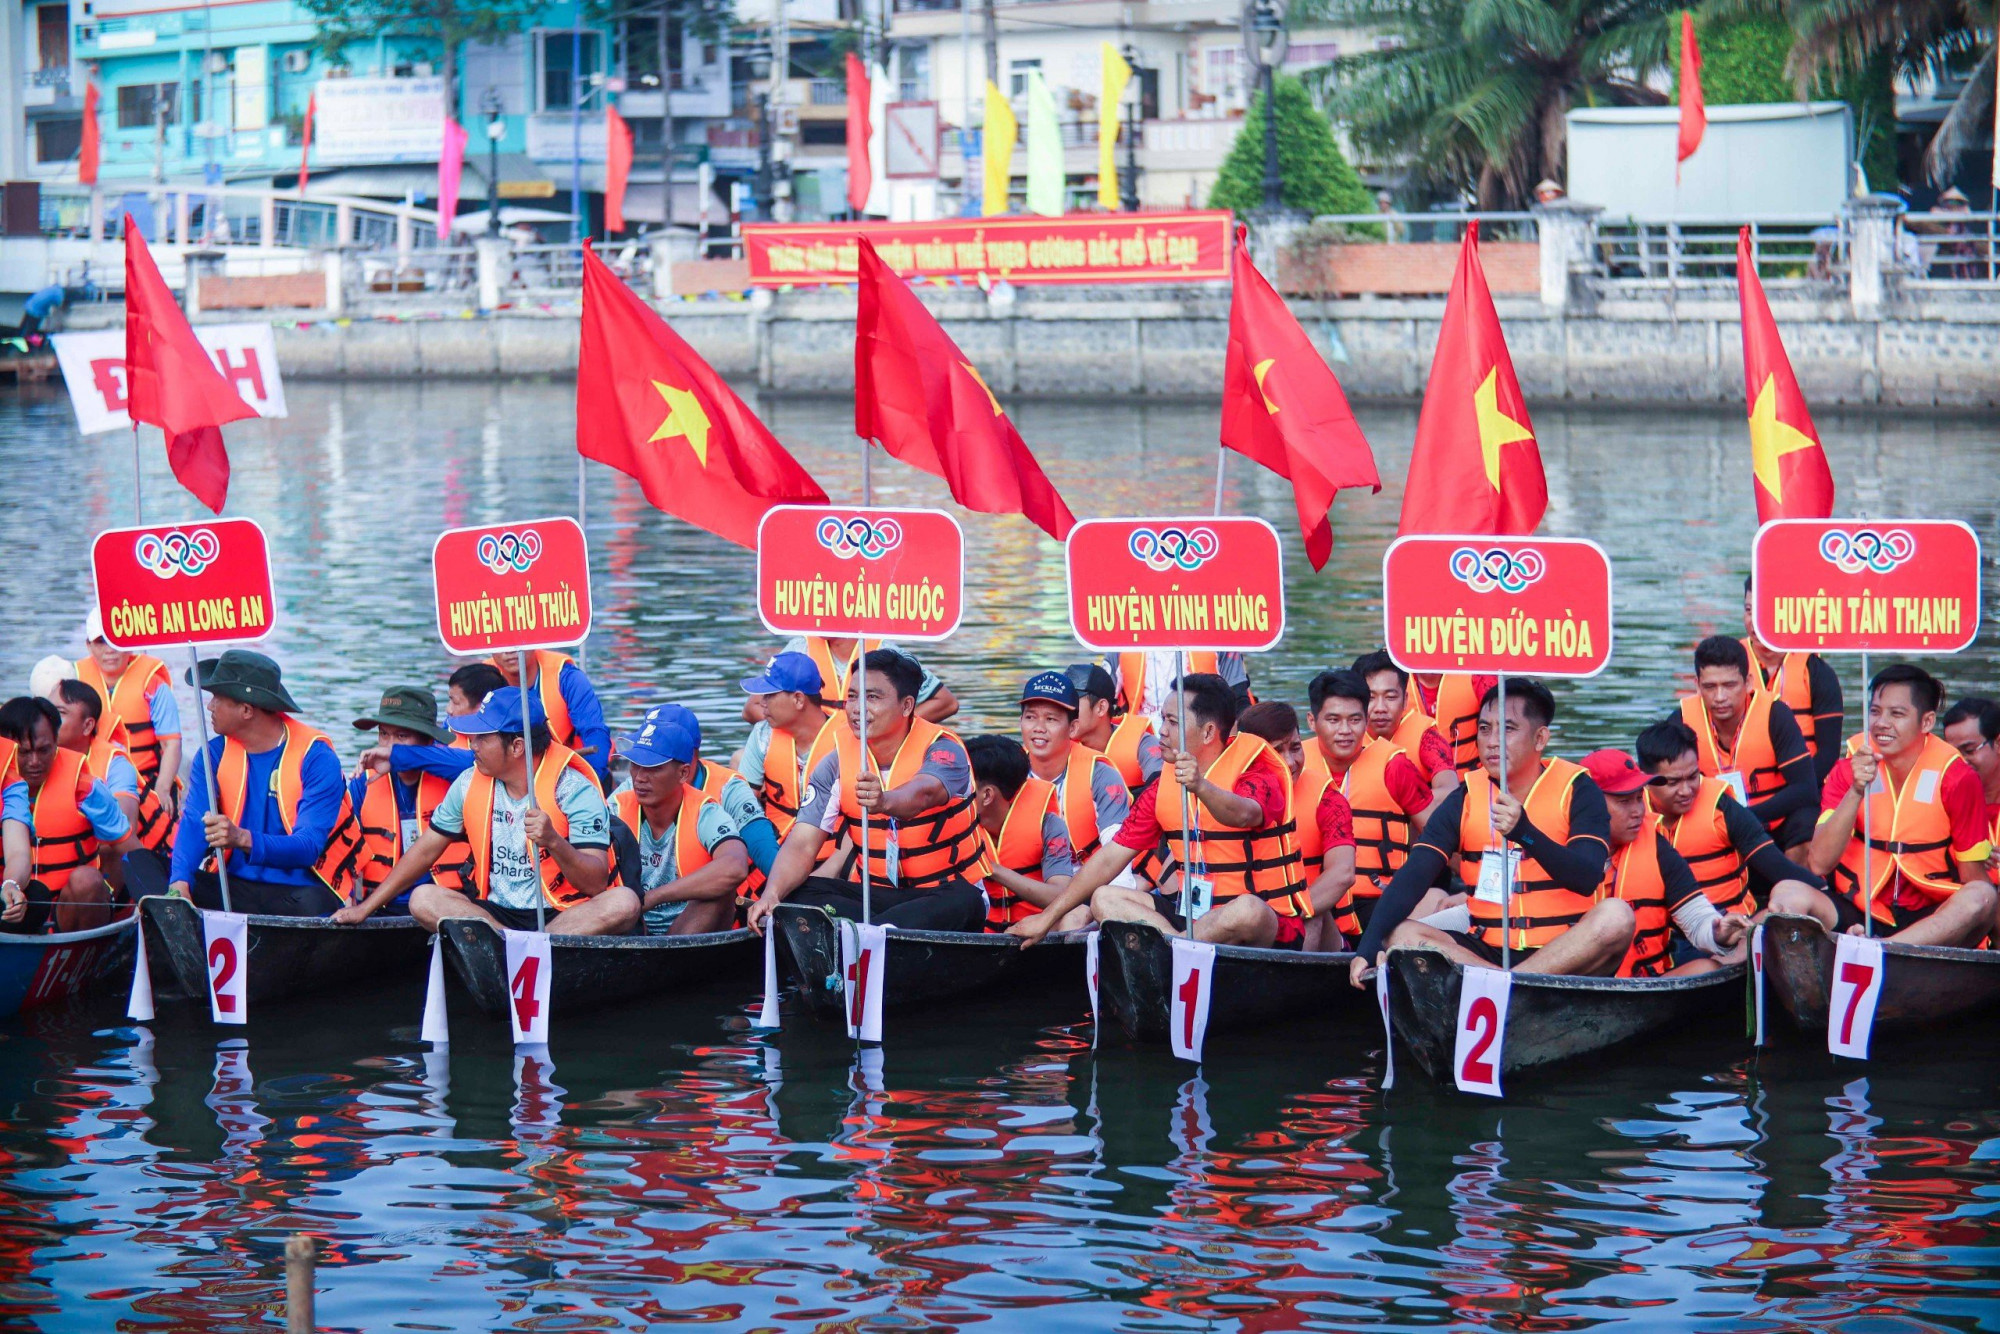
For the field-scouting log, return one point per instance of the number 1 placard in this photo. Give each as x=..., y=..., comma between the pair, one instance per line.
x=1187, y=1011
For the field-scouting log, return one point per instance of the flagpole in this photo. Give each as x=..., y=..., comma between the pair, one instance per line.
x=1506, y=880
x=1188, y=832
x=528, y=759
x=138, y=507
x=1221, y=465
x=582, y=645
x=208, y=772
x=1867, y=833
x=867, y=474
x=861, y=768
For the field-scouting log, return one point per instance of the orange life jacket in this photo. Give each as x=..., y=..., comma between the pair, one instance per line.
x=547, y=665
x=1633, y=874
x=1382, y=829
x=549, y=767
x=1409, y=734
x=1123, y=750
x=714, y=777
x=127, y=712
x=1132, y=675
x=1910, y=832
x=1308, y=790
x=369, y=841
x=939, y=845
x=781, y=776
x=1791, y=684
x=1263, y=861
x=232, y=778
x=1075, y=804
x=1541, y=909
x=689, y=853
x=1701, y=837
x=153, y=827
x=833, y=677
x=1455, y=713
x=1754, y=757
x=64, y=838
x=1018, y=849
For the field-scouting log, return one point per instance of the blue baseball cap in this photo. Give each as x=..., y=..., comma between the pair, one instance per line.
x=1051, y=687
x=500, y=712
x=784, y=674
x=664, y=737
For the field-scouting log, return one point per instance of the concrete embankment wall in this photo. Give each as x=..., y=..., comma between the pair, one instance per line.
x=1171, y=344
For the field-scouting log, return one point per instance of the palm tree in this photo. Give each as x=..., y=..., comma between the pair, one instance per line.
x=1472, y=93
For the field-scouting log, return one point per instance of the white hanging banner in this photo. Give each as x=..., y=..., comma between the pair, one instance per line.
x=1856, y=986
x=528, y=986
x=226, y=939
x=1757, y=980
x=140, y=1005
x=1482, y=1029
x=1388, y=1030
x=1090, y=980
x=1187, y=1000
x=93, y=367
x=864, y=954
x=436, y=1030
x=767, y=1017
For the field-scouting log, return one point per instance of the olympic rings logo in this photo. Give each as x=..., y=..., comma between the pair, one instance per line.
x=1497, y=569
x=1174, y=548
x=501, y=552
x=1867, y=551
x=169, y=554
x=870, y=539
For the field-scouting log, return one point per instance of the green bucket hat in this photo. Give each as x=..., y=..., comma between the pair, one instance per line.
x=411, y=707
x=248, y=678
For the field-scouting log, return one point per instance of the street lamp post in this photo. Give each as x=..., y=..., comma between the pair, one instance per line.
x=1265, y=41
x=495, y=128
x=1128, y=198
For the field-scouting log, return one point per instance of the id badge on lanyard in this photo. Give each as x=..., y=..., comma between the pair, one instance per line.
x=1489, y=872
x=892, y=856
x=1201, y=896
x=1737, y=788
x=411, y=833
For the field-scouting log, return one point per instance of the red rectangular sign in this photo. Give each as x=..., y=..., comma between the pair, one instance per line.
x=184, y=583
x=1865, y=585
x=1522, y=606
x=1080, y=248
x=1191, y=583
x=512, y=586
x=848, y=571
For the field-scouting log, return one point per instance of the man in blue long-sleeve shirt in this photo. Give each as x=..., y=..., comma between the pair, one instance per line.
x=576, y=718
x=466, y=689
x=280, y=789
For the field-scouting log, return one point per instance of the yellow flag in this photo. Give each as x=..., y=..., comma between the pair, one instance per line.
x=998, y=141
x=1116, y=75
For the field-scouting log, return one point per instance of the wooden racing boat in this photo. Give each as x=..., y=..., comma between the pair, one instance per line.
x=929, y=965
x=1922, y=985
x=288, y=956
x=1251, y=986
x=41, y=970
x=1550, y=1018
x=590, y=971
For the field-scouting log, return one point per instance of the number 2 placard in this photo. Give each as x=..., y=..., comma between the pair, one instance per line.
x=1482, y=1030
x=226, y=938
x=528, y=986
x=1857, y=985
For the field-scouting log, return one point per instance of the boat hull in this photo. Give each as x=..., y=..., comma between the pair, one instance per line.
x=586, y=972
x=287, y=956
x=1553, y=1019
x=928, y=965
x=1250, y=986
x=45, y=970
x=1922, y=985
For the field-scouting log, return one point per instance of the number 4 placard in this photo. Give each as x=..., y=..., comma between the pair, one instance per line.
x=1187, y=1010
x=226, y=937
x=1857, y=985
x=528, y=986
x=1482, y=1029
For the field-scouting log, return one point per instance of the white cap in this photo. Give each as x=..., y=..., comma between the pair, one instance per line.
x=93, y=626
x=48, y=673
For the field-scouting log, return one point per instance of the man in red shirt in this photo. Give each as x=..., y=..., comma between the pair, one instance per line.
x=1326, y=835
x=1395, y=717
x=1972, y=728
x=1257, y=802
x=1380, y=785
x=1916, y=861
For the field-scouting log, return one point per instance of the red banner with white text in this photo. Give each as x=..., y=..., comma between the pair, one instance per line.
x=183, y=583
x=518, y=585
x=1865, y=585
x=1520, y=606
x=1080, y=248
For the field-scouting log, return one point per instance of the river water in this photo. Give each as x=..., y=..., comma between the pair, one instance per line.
x=667, y=1163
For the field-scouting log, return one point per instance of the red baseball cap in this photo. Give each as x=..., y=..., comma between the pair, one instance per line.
x=1615, y=773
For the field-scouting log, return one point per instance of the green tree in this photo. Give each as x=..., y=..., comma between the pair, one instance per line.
x=1317, y=176
x=449, y=23
x=1472, y=93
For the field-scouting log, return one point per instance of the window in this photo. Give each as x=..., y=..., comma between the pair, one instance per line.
x=140, y=103
x=559, y=86
x=52, y=36
x=914, y=81
x=1017, y=76
x=642, y=51
x=58, y=139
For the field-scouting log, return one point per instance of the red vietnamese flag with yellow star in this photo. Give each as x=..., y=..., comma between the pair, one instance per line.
x=1792, y=480
x=648, y=405
x=1475, y=467
x=1282, y=406
x=929, y=406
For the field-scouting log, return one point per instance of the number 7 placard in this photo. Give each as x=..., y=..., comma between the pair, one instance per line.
x=1482, y=1029
x=1857, y=986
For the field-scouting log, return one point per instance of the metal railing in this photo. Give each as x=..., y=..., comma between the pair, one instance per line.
x=1429, y=228
x=1947, y=250
x=376, y=276
x=1789, y=252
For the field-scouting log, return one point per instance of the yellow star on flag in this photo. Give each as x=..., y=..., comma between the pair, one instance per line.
x=1260, y=370
x=1496, y=428
x=684, y=418
x=980, y=380
x=1771, y=439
